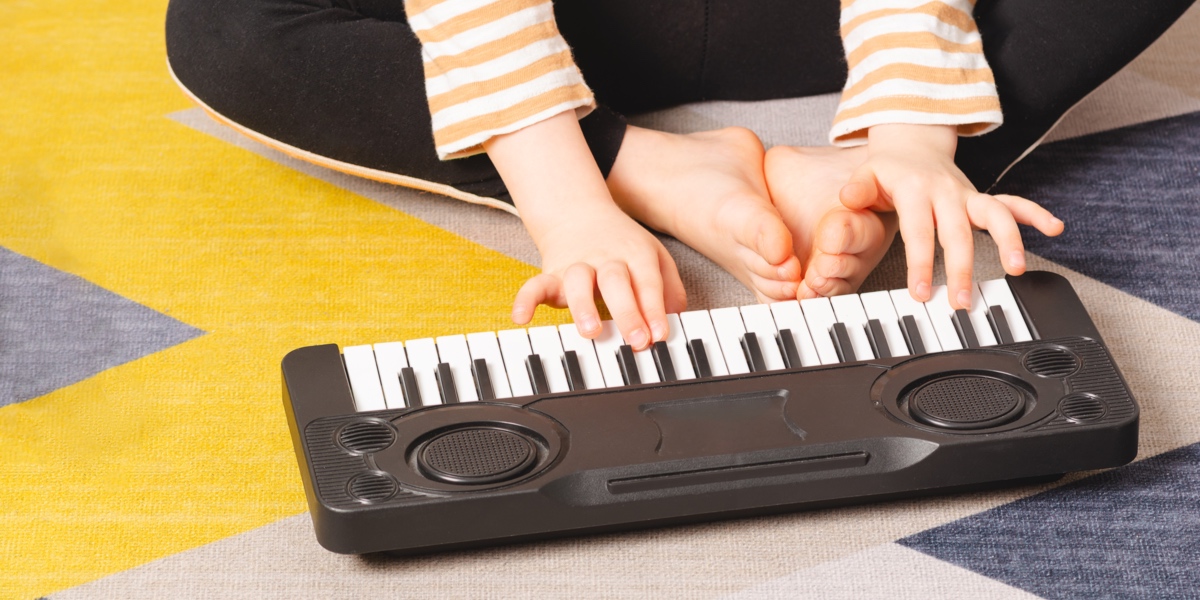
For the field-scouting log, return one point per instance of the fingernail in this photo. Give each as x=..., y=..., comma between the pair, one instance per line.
x=1055, y=221
x=964, y=299
x=588, y=325
x=519, y=314
x=789, y=290
x=659, y=330
x=1016, y=259
x=784, y=272
x=923, y=291
x=818, y=281
x=637, y=338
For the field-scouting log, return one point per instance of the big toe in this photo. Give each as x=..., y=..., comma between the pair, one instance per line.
x=764, y=232
x=846, y=231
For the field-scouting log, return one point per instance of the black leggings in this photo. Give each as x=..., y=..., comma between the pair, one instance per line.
x=343, y=79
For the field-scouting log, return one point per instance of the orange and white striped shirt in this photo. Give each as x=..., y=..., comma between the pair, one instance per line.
x=915, y=62
x=495, y=66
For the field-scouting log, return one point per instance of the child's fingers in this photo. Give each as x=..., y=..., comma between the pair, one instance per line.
x=579, y=287
x=987, y=213
x=674, y=296
x=916, y=229
x=541, y=289
x=617, y=290
x=954, y=233
x=1028, y=212
x=648, y=287
x=862, y=191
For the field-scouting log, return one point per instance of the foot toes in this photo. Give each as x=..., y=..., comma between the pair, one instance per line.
x=836, y=266
x=765, y=233
x=828, y=286
x=845, y=231
x=789, y=270
x=770, y=290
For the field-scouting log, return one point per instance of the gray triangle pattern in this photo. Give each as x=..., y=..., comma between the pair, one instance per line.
x=59, y=329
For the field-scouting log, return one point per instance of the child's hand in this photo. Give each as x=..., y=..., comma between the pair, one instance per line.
x=911, y=170
x=604, y=249
x=587, y=243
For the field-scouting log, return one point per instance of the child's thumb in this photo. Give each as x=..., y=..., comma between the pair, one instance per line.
x=861, y=192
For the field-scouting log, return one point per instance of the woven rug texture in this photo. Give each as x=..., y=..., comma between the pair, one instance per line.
x=155, y=267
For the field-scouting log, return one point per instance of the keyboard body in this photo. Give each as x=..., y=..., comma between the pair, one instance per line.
x=459, y=475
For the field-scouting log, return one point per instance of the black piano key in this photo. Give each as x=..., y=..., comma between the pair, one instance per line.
x=629, y=368
x=787, y=347
x=912, y=335
x=966, y=333
x=754, y=355
x=841, y=342
x=699, y=358
x=483, y=380
x=879, y=342
x=570, y=361
x=537, y=374
x=999, y=323
x=445, y=381
x=662, y=361
x=408, y=384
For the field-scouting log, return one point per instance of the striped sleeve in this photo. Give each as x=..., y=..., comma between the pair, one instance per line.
x=493, y=67
x=913, y=62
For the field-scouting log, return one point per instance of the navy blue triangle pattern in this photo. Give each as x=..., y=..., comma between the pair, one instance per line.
x=59, y=329
x=1130, y=198
x=1132, y=532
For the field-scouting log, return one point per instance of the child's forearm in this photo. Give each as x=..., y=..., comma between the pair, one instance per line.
x=549, y=171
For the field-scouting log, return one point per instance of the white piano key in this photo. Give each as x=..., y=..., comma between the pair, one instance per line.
x=514, y=346
x=758, y=319
x=979, y=320
x=677, y=344
x=547, y=345
x=607, y=344
x=452, y=349
x=997, y=293
x=940, y=315
x=789, y=316
x=879, y=306
x=423, y=358
x=390, y=358
x=593, y=378
x=849, y=310
x=697, y=325
x=364, y=378
x=729, y=327
x=818, y=313
x=906, y=306
x=484, y=345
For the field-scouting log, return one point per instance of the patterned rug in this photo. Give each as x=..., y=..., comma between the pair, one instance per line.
x=155, y=267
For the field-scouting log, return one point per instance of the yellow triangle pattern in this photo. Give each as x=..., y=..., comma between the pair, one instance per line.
x=188, y=445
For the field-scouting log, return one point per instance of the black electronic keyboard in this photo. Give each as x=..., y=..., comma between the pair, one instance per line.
x=491, y=438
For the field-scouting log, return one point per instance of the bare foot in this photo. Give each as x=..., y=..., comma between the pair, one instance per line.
x=839, y=247
x=708, y=190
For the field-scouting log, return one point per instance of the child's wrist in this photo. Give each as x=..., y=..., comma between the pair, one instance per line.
x=940, y=139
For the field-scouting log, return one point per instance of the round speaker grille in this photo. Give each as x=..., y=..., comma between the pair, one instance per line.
x=362, y=437
x=1082, y=407
x=372, y=486
x=1051, y=362
x=477, y=455
x=966, y=402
